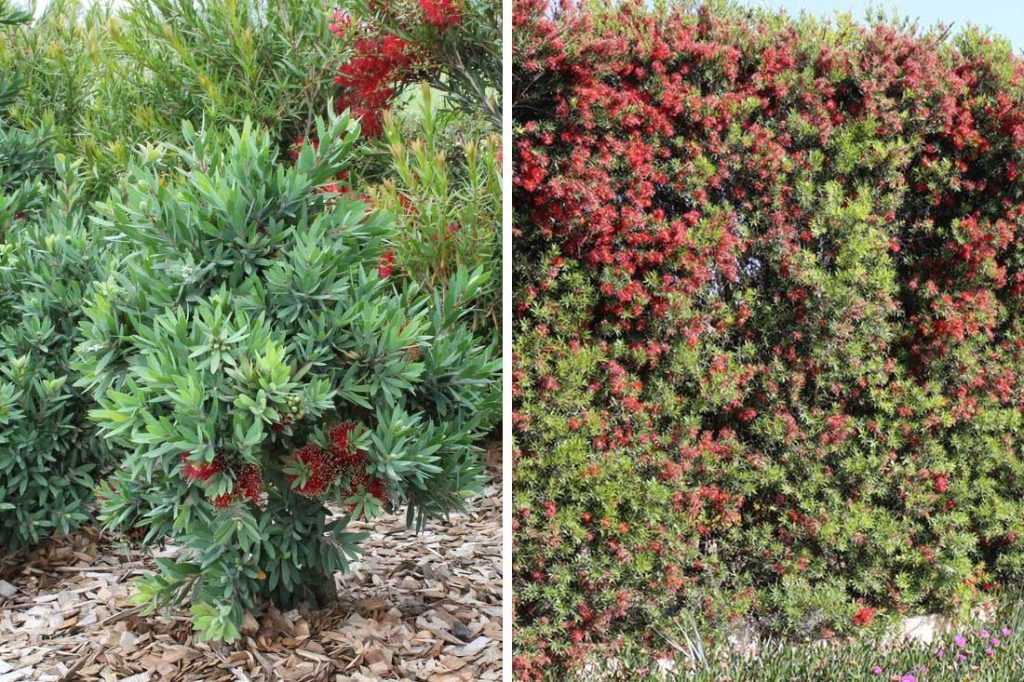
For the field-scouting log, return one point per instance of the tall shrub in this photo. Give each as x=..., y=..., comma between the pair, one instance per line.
x=50, y=457
x=24, y=156
x=445, y=197
x=49, y=460
x=255, y=359
x=103, y=78
x=768, y=337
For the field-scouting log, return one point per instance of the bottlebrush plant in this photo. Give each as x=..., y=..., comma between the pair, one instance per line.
x=768, y=345
x=25, y=157
x=445, y=197
x=103, y=78
x=255, y=360
x=50, y=457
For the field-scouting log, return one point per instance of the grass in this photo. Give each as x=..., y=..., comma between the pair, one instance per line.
x=993, y=652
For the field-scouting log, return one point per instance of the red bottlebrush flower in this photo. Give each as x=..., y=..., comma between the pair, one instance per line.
x=345, y=456
x=250, y=482
x=339, y=27
x=941, y=483
x=222, y=501
x=202, y=471
x=441, y=13
x=323, y=471
x=369, y=79
x=339, y=438
x=394, y=48
x=386, y=266
x=378, y=488
x=864, y=616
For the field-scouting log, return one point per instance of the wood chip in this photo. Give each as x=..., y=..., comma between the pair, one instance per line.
x=416, y=607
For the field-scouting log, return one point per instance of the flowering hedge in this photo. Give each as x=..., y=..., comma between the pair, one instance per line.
x=768, y=323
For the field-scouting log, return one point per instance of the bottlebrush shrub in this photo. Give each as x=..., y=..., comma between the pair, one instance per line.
x=445, y=197
x=106, y=77
x=24, y=156
x=769, y=331
x=9, y=82
x=49, y=455
x=454, y=45
x=254, y=361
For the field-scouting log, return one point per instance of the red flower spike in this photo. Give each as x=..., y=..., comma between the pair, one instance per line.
x=441, y=14
x=202, y=471
x=250, y=482
x=341, y=448
x=323, y=471
x=864, y=616
x=378, y=488
x=339, y=438
x=386, y=266
x=369, y=80
x=222, y=501
x=339, y=27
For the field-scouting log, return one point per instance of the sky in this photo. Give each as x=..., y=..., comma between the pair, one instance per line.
x=1005, y=17
x=999, y=15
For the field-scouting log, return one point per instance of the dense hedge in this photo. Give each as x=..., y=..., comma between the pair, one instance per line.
x=50, y=456
x=49, y=459
x=768, y=333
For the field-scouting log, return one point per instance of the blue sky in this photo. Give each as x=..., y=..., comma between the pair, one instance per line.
x=1002, y=16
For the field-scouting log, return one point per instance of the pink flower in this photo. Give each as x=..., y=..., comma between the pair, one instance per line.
x=908, y=678
x=1007, y=632
x=960, y=641
x=877, y=670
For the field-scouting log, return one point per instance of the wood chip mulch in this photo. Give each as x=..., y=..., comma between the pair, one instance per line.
x=418, y=607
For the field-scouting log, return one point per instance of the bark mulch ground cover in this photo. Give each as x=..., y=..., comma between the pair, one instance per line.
x=423, y=607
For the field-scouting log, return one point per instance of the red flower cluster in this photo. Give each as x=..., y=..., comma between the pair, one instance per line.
x=346, y=456
x=224, y=501
x=864, y=616
x=442, y=14
x=202, y=471
x=250, y=482
x=341, y=23
x=368, y=80
x=323, y=471
x=342, y=459
x=387, y=265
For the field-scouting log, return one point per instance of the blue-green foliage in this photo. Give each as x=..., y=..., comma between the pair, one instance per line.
x=249, y=317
